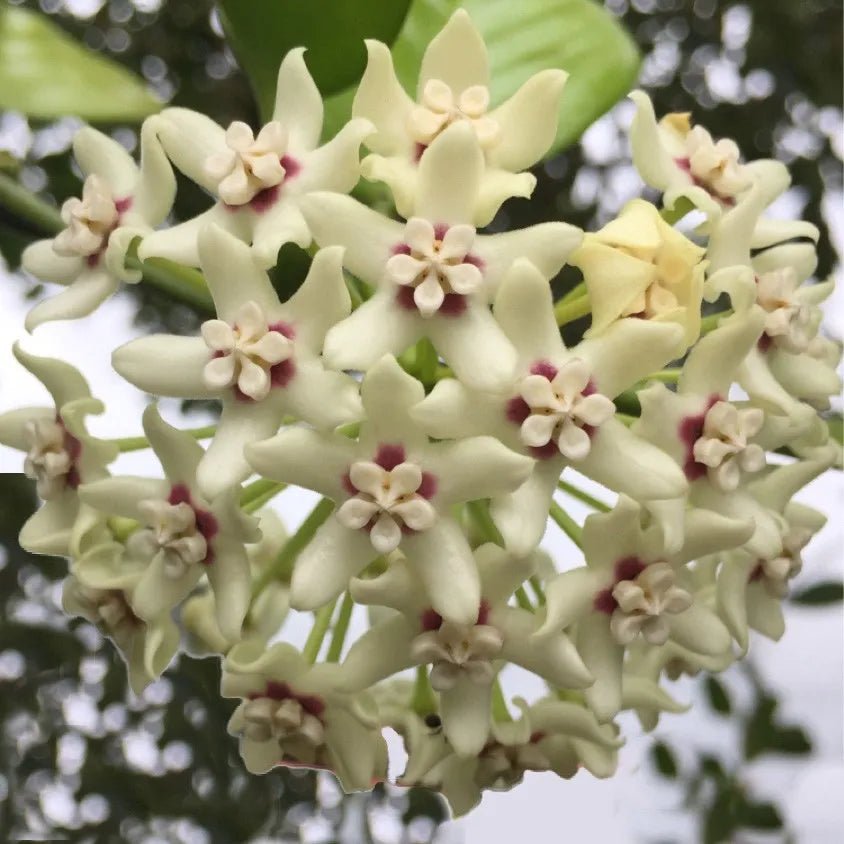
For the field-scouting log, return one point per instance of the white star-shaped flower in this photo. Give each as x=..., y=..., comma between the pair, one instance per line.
x=120, y=201
x=434, y=275
x=259, y=357
x=292, y=714
x=260, y=180
x=630, y=586
x=393, y=489
x=60, y=455
x=462, y=654
x=557, y=406
x=453, y=88
x=182, y=536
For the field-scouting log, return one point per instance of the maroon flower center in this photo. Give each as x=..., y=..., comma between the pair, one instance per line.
x=206, y=522
x=430, y=619
x=279, y=691
x=690, y=431
x=121, y=206
x=266, y=198
x=627, y=568
x=685, y=165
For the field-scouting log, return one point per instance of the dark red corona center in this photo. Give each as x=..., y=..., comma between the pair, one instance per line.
x=73, y=448
x=275, y=690
x=627, y=568
x=266, y=198
x=517, y=410
x=206, y=523
x=121, y=206
x=430, y=619
x=690, y=431
x=685, y=164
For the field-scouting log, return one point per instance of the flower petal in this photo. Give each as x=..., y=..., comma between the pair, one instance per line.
x=457, y=56
x=298, y=103
x=465, y=712
x=443, y=561
x=449, y=176
x=528, y=121
x=700, y=630
x=179, y=243
x=473, y=468
x=42, y=261
x=335, y=166
x=90, y=289
x=381, y=98
x=304, y=457
x=368, y=237
x=524, y=308
x=325, y=567
x=120, y=496
x=98, y=154
x=233, y=276
x=224, y=464
x=522, y=516
x=165, y=365
x=569, y=598
x=603, y=657
x=382, y=651
x=178, y=452
x=475, y=347
x=552, y=657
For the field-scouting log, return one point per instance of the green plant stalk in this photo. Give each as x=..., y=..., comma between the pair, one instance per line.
x=258, y=493
x=575, y=293
x=282, y=566
x=682, y=207
x=580, y=495
x=479, y=513
x=341, y=627
x=126, y=444
x=710, y=322
x=569, y=311
x=568, y=525
x=424, y=701
x=322, y=621
x=522, y=599
x=182, y=283
x=670, y=375
x=536, y=587
x=500, y=712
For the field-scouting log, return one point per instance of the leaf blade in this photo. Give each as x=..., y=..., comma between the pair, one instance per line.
x=88, y=86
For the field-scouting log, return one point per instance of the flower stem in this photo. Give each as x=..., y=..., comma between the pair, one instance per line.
x=500, y=712
x=710, y=322
x=282, y=566
x=567, y=312
x=424, y=701
x=479, y=513
x=522, y=599
x=322, y=621
x=667, y=376
x=568, y=525
x=258, y=493
x=28, y=207
x=575, y=293
x=536, y=586
x=126, y=444
x=580, y=495
x=681, y=207
x=341, y=627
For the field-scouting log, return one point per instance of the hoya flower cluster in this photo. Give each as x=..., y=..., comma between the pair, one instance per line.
x=417, y=381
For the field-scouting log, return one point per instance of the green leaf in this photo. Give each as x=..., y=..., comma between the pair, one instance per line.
x=764, y=735
x=46, y=74
x=828, y=592
x=759, y=816
x=523, y=38
x=663, y=760
x=719, y=700
x=262, y=31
